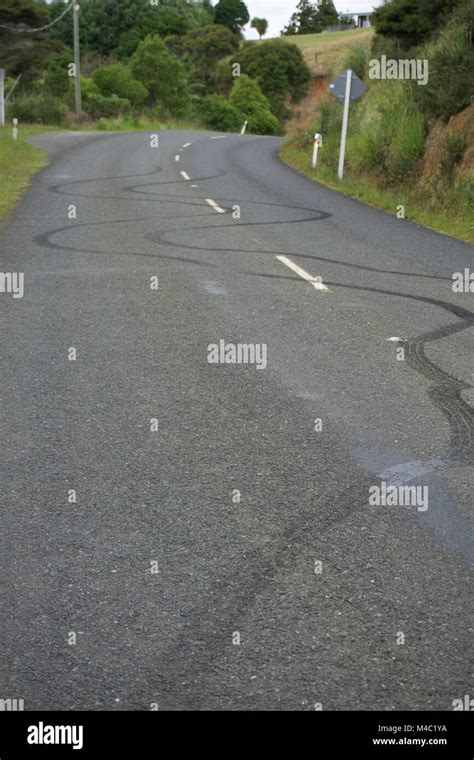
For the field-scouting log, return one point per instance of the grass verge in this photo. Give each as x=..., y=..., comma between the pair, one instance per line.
x=18, y=162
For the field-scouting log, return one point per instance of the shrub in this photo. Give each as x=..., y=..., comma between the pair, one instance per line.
x=116, y=79
x=88, y=87
x=56, y=79
x=104, y=107
x=278, y=66
x=356, y=60
x=451, y=63
x=38, y=108
x=162, y=74
x=248, y=99
x=217, y=113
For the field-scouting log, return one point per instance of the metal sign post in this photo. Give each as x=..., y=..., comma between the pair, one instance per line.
x=345, y=117
x=347, y=87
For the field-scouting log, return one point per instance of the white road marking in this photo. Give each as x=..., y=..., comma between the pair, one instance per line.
x=218, y=137
x=395, y=339
x=186, y=145
x=185, y=176
x=215, y=206
x=301, y=272
x=194, y=185
x=176, y=158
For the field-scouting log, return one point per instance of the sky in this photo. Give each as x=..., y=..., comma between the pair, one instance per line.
x=278, y=12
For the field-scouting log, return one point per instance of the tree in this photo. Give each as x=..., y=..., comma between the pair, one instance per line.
x=310, y=18
x=116, y=27
x=21, y=53
x=163, y=75
x=411, y=21
x=327, y=14
x=280, y=70
x=210, y=43
x=233, y=14
x=200, y=51
x=303, y=20
x=260, y=24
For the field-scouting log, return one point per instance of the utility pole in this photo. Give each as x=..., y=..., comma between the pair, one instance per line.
x=77, y=58
x=2, y=97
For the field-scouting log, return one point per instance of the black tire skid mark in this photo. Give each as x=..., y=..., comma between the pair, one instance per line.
x=446, y=392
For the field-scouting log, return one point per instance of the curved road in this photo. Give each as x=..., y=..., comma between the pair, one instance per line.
x=241, y=518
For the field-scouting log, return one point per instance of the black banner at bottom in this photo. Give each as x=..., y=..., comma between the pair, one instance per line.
x=104, y=734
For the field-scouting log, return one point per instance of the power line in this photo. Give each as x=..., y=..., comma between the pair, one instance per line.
x=40, y=29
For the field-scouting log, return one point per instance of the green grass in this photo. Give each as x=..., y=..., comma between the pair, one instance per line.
x=451, y=217
x=133, y=123
x=325, y=53
x=18, y=162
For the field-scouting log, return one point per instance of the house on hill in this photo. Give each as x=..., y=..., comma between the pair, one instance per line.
x=360, y=20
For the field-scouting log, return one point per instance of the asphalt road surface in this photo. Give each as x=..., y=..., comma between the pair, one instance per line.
x=233, y=557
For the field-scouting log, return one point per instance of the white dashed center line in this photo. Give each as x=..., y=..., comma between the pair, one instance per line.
x=176, y=158
x=218, y=137
x=315, y=281
x=186, y=145
x=215, y=206
x=185, y=176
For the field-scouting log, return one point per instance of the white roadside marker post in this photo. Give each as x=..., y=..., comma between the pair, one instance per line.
x=242, y=131
x=15, y=129
x=318, y=143
x=345, y=117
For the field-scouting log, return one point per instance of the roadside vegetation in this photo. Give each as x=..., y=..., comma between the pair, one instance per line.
x=18, y=161
x=408, y=145
x=142, y=62
x=143, y=66
x=186, y=65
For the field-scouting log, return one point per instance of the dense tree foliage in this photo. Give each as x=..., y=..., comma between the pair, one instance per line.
x=116, y=27
x=22, y=53
x=233, y=14
x=280, y=70
x=412, y=21
x=310, y=18
x=200, y=51
x=248, y=98
x=163, y=75
x=260, y=25
x=116, y=79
